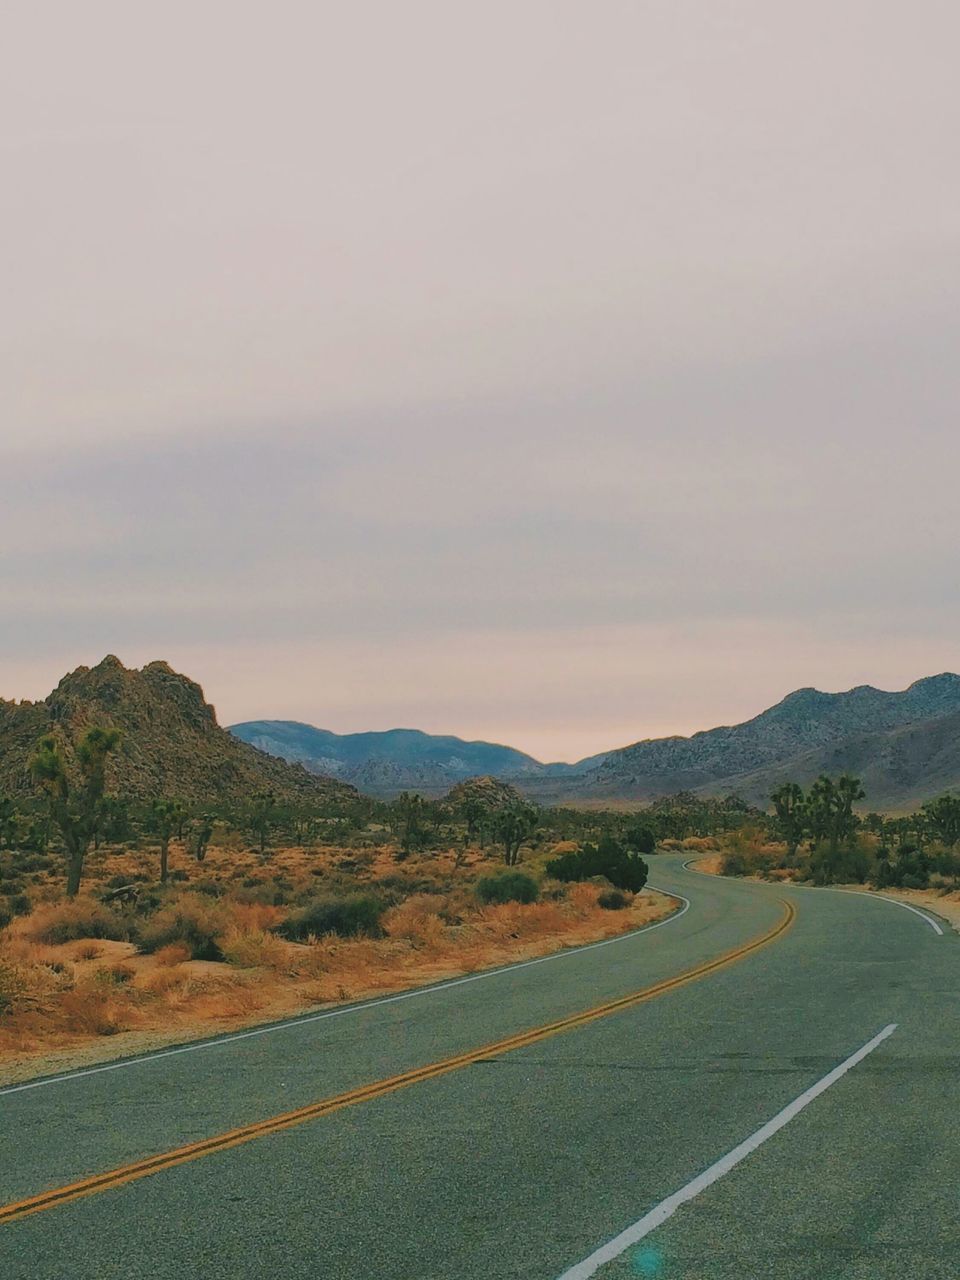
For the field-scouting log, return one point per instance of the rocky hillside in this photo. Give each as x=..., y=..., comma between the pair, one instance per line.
x=492, y=793
x=903, y=744
x=900, y=768
x=171, y=744
x=384, y=764
x=807, y=733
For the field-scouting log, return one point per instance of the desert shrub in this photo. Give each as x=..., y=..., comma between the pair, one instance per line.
x=79, y=918
x=6, y=915
x=93, y=1012
x=400, y=886
x=210, y=888
x=641, y=839
x=190, y=921
x=583, y=895
x=839, y=866
x=178, y=875
x=910, y=869
x=349, y=916
x=623, y=868
x=613, y=900
x=20, y=905
x=253, y=948
x=114, y=975
x=416, y=919
x=734, y=863
x=12, y=987
x=508, y=886
x=33, y=862
x=263, y=892
x=88, y=951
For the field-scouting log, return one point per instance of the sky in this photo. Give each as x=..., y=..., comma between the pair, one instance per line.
x=550, y=373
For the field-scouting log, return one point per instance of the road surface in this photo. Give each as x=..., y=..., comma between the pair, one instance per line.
x=790, y=1114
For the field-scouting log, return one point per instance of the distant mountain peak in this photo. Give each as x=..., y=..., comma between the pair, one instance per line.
x=946, y=681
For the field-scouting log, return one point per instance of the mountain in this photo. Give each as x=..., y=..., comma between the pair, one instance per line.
x=900, y=768
x=901, y=744
x=809, y=732
x=171, y=744
x=396, y=760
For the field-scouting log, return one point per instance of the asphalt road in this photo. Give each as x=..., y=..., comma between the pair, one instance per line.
x=527, y=1162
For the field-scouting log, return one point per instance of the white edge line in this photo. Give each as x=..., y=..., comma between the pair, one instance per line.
x=306, y=1019
x=863, y=893
x=667, y=1208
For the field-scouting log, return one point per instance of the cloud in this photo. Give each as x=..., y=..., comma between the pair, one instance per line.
x=405, y=334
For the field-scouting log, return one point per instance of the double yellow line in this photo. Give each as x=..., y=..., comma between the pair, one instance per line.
x=367, y=1093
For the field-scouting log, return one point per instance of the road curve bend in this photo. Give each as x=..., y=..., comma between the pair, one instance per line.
x=534, y=1152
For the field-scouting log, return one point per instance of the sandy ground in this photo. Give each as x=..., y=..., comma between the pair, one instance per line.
x=385, y=968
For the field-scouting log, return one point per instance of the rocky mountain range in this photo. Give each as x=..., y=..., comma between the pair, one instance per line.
x=395, y=760
x=906, y=746
x=171, y=744
x=806, y=734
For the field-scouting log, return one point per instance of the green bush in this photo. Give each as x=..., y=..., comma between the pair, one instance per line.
x=623, y=868
x=509, y=886
x=733, y=863
x=349, y=916
x=641, y=839
x=613, y=900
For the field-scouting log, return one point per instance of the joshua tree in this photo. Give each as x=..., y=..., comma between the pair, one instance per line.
x=513, y=827
x=943, y=818
x=411, y=815
x=202, y=833
x=262, y=815
x=9, y=824
x=75, y=806
x=474, y=814
x=166, y=817
x=789, y=805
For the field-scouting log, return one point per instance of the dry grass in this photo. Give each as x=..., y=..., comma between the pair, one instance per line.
x=70, y=978
x=249, y=948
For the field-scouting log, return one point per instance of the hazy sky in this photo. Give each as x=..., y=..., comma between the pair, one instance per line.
x=558, y=373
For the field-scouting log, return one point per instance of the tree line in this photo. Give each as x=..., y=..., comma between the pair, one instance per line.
x=826, y=838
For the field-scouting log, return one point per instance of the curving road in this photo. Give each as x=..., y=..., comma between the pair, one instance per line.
x=790, y=1114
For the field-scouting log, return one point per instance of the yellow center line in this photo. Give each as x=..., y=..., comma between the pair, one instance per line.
x=368, y=1092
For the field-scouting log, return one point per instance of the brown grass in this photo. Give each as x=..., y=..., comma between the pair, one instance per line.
x=62, y=992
